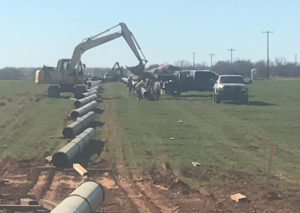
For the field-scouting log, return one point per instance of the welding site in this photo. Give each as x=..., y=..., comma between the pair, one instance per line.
x=148, y=127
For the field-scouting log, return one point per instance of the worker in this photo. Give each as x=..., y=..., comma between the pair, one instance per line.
x=130, y=85
x=138, y=88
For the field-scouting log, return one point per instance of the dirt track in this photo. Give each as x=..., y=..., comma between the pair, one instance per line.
x=152, y=190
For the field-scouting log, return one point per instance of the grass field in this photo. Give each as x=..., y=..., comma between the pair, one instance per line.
x=227, y=135
x=30, y=122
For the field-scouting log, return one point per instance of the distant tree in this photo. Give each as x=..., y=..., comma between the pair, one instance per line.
x=223, y=67
x=281, y=67
x=242, y=67
x=10, y=73
x=183, y=64
x=261, y=68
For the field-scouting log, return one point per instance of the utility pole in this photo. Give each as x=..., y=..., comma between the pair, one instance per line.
x=194, y=53
x=231, y=50
x=268, y=60
x=296, y=62
x=211, y=58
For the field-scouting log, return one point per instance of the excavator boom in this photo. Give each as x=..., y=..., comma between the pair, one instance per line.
x=99, y=39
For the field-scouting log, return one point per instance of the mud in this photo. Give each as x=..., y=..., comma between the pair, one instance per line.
x=153, y=190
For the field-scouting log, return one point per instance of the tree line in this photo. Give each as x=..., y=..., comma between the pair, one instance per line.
x=279, y=67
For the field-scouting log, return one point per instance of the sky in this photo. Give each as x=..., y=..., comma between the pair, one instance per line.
x=36, y=32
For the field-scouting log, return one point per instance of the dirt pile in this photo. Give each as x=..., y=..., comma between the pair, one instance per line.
x=165, y=177
x=17, y=177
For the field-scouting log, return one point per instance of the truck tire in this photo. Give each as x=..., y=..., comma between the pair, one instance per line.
x=78, y=90
x=218, y=99
x=53, y=91
x=244, y=100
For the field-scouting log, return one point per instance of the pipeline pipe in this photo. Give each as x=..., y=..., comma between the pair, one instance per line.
x=93, y=88
x=76, y=127
x=95, y=82
x=83, y=110
x=89, y=93
x=80, y=102
x=67, y=154
x=84, y=199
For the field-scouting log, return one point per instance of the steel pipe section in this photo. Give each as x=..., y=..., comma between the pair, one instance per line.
x=89, y=93
x=67, y=154
x=80, y=102
x=85, y=199
x=93, y=88
x=83, y=110
x=78, y=126
x=95, y=82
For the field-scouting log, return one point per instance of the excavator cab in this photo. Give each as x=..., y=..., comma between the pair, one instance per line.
x=63, y=64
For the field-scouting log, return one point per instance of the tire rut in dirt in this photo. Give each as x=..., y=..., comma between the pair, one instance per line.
x=43, y=183
x=138, y=196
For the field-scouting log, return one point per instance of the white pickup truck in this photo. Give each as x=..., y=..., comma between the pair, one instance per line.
x=230, y=87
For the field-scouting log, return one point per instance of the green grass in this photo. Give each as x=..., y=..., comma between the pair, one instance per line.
x=230, y=136
x=12, y=87
x=30, y=121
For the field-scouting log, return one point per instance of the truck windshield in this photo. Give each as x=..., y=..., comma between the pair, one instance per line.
x=231, y=79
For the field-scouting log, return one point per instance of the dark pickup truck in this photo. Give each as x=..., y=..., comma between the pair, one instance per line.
x=190, y=80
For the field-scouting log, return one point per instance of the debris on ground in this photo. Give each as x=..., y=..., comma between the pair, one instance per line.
x=195, y=164
x=238, y=197
x=80, y=169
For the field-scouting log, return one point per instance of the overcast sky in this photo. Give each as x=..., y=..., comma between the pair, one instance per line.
x=36, y=32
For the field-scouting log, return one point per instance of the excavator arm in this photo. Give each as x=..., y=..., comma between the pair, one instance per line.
x=99, y=39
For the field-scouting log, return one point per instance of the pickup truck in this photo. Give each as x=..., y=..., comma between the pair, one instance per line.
x=230, y=87
x=190, y=80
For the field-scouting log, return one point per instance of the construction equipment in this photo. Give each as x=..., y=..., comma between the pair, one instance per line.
x=116, y=72
x=68, y=75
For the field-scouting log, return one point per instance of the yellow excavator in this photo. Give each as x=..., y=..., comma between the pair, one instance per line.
x=68, y=76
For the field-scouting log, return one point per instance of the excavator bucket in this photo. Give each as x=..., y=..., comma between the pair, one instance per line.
x=137, y=70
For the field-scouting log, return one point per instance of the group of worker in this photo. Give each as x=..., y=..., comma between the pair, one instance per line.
x=145, y=88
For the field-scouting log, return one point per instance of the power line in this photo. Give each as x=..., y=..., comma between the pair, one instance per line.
x=231, y=50
x=211, y=58
x=268, y=60
x=194, y=53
